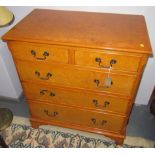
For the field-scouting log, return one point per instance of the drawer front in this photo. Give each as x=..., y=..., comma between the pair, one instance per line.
x=77, y=98
x=74, y=116
x=73, y=77
x=39, y=52
x=106, y=60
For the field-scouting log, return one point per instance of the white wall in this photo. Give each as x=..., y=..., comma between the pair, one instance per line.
x=9, y=83
x=148, y=80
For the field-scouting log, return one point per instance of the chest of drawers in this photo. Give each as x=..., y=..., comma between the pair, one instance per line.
x=80, y=70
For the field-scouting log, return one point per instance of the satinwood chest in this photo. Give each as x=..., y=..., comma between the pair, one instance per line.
x=80, y=70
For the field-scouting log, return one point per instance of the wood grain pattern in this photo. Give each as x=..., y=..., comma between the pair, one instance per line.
x=75, y=77
x=66, y=87
x=83, y=29
x=54, y=112
x=123, y=61
x=23, y=51
x=78, y=98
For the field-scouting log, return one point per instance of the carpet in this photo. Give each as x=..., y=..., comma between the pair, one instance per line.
x=21, y=135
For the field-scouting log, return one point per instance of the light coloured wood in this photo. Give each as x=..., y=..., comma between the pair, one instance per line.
x=83, y=99
x=73, y=43
x=83, y=29
x=137, y=82
x=124, y=62
x=22, y=51
x=71, y=55
x=75, y=77
x=69, y=115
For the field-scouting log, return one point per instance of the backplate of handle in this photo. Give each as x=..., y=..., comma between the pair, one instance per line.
x=99, y=61
x=48, y=75
x=45, y=55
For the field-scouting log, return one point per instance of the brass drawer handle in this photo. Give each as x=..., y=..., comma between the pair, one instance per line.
x=43, y=92
x=48, y=75
x=93, y=120
x=104, y=122
x=45, y=55
x=52, y=94
x=97, y=82
x=50, y=114
x=99, y=60
x=106, y=103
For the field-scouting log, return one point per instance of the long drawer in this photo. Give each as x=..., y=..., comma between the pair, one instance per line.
x=66, y=75
x=52, y=112
x=78, y=98
x=39, y=52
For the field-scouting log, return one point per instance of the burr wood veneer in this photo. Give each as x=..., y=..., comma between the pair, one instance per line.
x=80, y=70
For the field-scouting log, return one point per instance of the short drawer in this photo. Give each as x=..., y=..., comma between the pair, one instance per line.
x=71, y=76
x=77, y=98
x=39, y=52
x=107, y=59
x=77, y=116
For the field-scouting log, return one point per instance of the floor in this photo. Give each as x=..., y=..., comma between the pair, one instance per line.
x=141, y=123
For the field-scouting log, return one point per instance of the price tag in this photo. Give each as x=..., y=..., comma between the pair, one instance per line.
x=107, y=82
x=108, y=79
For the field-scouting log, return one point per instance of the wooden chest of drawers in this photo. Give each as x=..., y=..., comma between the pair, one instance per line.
x=80, y=70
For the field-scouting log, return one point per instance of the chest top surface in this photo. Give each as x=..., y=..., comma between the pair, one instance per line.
x=83, y=29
